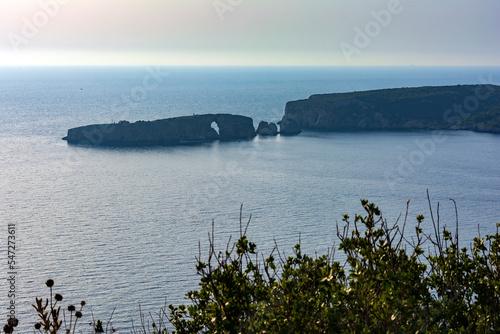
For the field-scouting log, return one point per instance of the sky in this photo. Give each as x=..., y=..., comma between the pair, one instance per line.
x=250, y=32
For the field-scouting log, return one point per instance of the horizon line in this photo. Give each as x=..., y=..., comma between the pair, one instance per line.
x=234, y=65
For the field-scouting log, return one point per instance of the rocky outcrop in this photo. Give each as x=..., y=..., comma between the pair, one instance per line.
x=446, y=107
x=171, y=131
x=267, y=129
x=289, y=126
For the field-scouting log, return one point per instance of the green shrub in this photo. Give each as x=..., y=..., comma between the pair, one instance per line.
x=386, y=285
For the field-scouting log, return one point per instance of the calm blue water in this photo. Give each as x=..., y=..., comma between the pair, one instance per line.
x=120, y=227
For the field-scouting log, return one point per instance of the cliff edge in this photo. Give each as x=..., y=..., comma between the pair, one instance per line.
x=467, y=107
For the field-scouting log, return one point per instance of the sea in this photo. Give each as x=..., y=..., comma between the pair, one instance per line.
x=120, y=228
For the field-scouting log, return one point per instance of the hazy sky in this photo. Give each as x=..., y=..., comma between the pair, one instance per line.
x=250, y=32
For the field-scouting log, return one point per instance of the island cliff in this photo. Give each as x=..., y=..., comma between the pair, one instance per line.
x=467, y=107
x=171, y=131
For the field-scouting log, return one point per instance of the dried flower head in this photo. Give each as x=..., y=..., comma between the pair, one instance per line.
x=78, y=314
x=8, y=329
x=71, y=308
x=38, y=325
x=58, y=297
x=13, y=322
x=82, y=303
x=49, y=283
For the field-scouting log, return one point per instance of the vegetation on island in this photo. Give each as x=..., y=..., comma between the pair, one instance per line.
x=396, y=278
x=489, y=119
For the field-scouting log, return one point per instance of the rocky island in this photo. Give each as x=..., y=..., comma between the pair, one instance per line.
x=466, y=107
x=461, y=107
x=171, y=131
